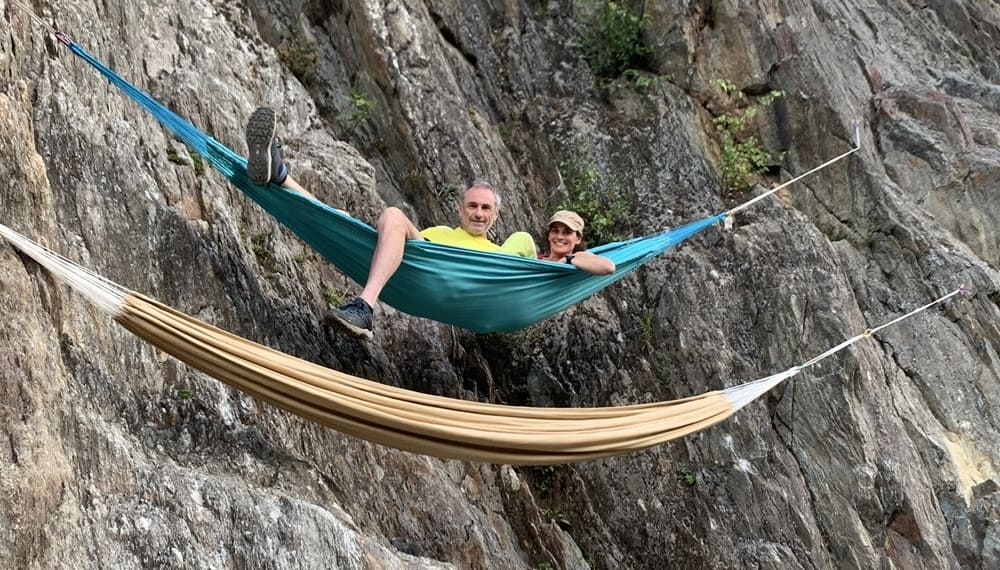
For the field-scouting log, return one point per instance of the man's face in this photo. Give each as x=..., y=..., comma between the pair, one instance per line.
x=478, y=211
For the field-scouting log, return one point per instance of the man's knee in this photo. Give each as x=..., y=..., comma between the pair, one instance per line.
x=392, y=220
x=392, y=217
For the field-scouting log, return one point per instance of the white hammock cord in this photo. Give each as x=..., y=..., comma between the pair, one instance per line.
x=105, y=294
x=857, y=146
x=745, y=393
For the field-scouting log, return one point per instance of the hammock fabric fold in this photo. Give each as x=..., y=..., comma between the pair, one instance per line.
x=479, y=291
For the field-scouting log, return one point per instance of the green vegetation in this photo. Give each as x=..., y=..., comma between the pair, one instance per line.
x=611, y=38
x=742, y=156
x=644, y=81
x=173, y=156
x=598, y=198
x=197, y=162
x=300, y=57
x=260, y=246
x=546, y=478
x=414, y=181
x=184, y=394
x=994, y=297
x=557, y=517
x=686, y=477
x=332, y=298
x=447, y=192
x=361, y=109
x=647, y=321
x=299, y=257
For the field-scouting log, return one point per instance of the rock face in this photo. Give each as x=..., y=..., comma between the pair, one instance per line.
x=115, y=455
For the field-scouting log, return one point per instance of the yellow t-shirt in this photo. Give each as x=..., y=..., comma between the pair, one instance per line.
x=519, y=243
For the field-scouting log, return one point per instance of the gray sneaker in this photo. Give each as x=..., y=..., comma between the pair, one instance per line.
x=264, y=162
x=354, y=317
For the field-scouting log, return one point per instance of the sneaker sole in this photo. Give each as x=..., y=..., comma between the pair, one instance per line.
x=260, y=132
x=349, y=328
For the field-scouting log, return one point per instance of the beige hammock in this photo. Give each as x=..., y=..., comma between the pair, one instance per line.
x=404, y=419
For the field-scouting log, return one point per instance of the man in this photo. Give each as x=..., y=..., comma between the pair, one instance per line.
x=477, y=213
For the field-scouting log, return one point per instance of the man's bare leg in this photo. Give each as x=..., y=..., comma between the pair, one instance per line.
x=356, y=317
x=292, y=184
x=394, y=228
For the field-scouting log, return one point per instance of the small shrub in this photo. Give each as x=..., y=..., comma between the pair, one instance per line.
x=195, y=158
x=598, y=198
x=332, y=298
x=197, y=162
x=415, y=181
x=173, y=156
x=557, y=517
x=546, y=478
x=361, y=109
x=686, y=477
x=647, y=321
x=300, y=57
x=644, y=81
x=611, y=38
x=741, y=154
x=260, y=246
x=184, y=394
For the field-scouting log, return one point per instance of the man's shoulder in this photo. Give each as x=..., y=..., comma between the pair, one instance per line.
x=458, y=237
x=438, y=233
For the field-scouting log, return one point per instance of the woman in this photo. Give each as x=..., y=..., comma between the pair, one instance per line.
x=565, y=245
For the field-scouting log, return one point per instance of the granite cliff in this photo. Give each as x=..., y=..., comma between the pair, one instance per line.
x=887, y=456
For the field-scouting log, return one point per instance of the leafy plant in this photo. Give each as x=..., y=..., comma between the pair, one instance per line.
x=741, y=154
x=184, y=394
x=647, y=321
x=173, y=156
x=598, y=198
x=361, y=109
x=643, y=80
x=300, y=57
x=259, y=245
x=557, y=517
x=197, y=161
x=332, y=297
x=686, y=477
x=611, y=38
x=546, y=478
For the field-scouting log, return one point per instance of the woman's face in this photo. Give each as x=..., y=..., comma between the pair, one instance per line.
x=562, y=240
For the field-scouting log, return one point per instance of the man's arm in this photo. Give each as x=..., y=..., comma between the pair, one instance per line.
x=520, y=244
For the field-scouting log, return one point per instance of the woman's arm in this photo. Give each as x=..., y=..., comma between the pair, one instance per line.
x=592, y=263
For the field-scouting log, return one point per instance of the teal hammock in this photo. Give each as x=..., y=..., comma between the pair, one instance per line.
x=480, y=291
